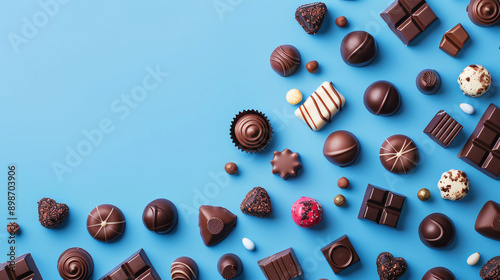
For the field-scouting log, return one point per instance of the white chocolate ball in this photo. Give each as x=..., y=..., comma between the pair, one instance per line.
x=453, y=185
x=475, y=80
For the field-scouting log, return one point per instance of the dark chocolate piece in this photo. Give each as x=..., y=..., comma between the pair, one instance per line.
x=311, y=16
x=488, y=220
x=281, y=266
x=285, y=60
x=50, y=213
x=438, y=273
x=341, y=148
x=358, y=49
x=106, y=223
x=75, y=264
x=382, y=98
x=312, y=66
x=381, y=206
x=13, y=228
x=482, y=150
x=251, y=131
x=491, y=269
x=231, y=168
x=160, y=216
x=398, y=154
x=138, y=266
x=215, y=224
x=484, y=13
x=443, y=129
x=340, y=254
x=184, y=268
x=389, y=267
x=436, y=231
x=428, y=81
x=341, y=21
x=408, y=18
x=454, y=40
x=257, y=203
x=229, y=266
x=22, y=268
x=286, y=163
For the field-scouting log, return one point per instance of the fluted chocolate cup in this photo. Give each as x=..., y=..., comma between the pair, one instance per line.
x=251, y=131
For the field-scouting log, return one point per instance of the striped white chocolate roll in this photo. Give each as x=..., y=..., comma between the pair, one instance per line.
x=321, y=106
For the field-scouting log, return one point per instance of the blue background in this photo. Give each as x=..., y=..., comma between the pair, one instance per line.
x=66, y=77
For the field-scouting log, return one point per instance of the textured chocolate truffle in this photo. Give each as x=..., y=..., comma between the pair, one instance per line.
x=436, y=231
x=229, y=266
x=398, y=154
x=106, y=223
x=75, y=264
x=439, y=273
x=358, y=48
x=382, y=98
x=285, y=60
x=341, y=148
x=257, y=203
x=484, y=13
x=184, y=268
x=251, y=131
x=50, y=213
x=389, y=267
x=428, y=81
x=215, y=224
x=160, y=216
x=311, y=16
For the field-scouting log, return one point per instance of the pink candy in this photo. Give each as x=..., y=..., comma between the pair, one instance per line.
x=307, y=212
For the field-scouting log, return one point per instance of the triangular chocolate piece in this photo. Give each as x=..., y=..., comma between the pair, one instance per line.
x=488, y=220
x=215, y=224
x=257, y=203
x=311, y=16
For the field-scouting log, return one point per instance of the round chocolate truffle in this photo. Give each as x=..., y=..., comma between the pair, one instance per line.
x=184, y=268
x=285, y=60
x=229, y=266
x=343, y=183
x=339, y=200
x=307, y=212
x=440, y=273
x=160, y=216
x=398, y=154
x=424, y=194
x=312, y=66
x=231, y=168
x=428, y=81
x=436, y=231
x=484, y=13
x=106, y=223
x=75, y=264
x=358, y=48
x=13, y=228
x=341, y=21
x=341, y=148
x=251, y=131
x=382, y=98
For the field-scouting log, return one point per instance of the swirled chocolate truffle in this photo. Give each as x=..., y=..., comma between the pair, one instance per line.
x=229, y=266
x=382, y=98
x=428, y=81
x=398, y=154
x=436, y=231
x=106, y=223
x=184, y=268
x=358, y=48
x=341, y=148
x=439, y=273
x=160, y=216
x=251, y=131
x=484, y=13
x=285, y=60
x=75, y=264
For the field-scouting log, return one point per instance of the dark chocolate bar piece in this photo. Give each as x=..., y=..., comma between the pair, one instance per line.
x=136, y=266
x=281, y=266
x=23, y=268
x=443, y=129
x=482, y=150
x=454, y=40
x=381, y=206
x=340, y=254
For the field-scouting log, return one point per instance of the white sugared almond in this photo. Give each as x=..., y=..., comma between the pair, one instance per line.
x=473, y=259
x=467, y=108
x=249, y=245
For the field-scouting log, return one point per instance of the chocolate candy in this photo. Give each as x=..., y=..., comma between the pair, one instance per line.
x=474, y=80
x=312, y=66
x=160, y=216
x=251, y=131
x=24, y=268
x=389, y=267
x=285, y=60
x=424, y=194
x=436, y=231
x=484, y=13
x=294, y=96
x=311, y=16
x=184, y=268
x=381, y=206
x=398, y=154
x=343, y=183
x=50, y=213
x=453, y=185
x=75, y=264
x=307, y=212
x=428, y=81
x=231, y=168
x=358, y=49
x=13, y=228
x=487, y=221
x=321, y=106
x=340, y=254
x=215, y=224
x=443, y=129
x=286, y=163
x=136, y=267
x=491, y=269
x=341, y=148
x=257, y=203
x=408, y=18
x=382, y=98
x=454, y=40
x=281, y=266
x=341, y=21
x=106, y=223
x=482, y=150
x=440, y=273
x=339, y=200
x=229, y=266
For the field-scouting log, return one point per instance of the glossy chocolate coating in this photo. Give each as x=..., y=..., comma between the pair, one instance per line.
x=312, y=66
x=436, y=231
x=231, y=168
x=184, y=268
x=428, y=81
x=106, y=223
x=75, y=264
x=358, y=48
x=285, y=60
x=136, y=267
x=382, y=98
x=160, y=216
x=229, y=266
x=398, y=154
x=21, y=268
x=215, y=224
x=439, y=273
x=341, y=148
x=340, y=254
x=286, y=163
x=484, y=13
x=250, y=131
x=488, y=220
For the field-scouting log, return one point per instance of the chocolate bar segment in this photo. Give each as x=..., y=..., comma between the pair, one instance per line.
x=454, y=40
x=381, y=206
x=482, y=150
x=136, y=266
x=408, y=18
x=23, y=268
x=340, y=254
x=281, y=266
x=443, y=129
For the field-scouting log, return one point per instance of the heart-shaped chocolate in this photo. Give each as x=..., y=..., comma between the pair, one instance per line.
x=389, y=267
x=257, y=203
x=50, y=213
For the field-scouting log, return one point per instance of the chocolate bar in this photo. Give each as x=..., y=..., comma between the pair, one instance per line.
x=381, y=206
x=454, y=40
x=443, y=129
x=23, y=268
x=136, y=266
x=340, y=254
x=281, y=266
